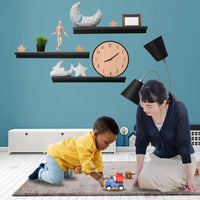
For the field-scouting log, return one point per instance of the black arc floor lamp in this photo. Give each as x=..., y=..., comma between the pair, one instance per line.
x=157, y=49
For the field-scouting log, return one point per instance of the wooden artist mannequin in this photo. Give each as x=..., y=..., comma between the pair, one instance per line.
x=59, y=35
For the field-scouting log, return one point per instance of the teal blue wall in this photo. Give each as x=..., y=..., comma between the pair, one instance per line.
x=29, y=99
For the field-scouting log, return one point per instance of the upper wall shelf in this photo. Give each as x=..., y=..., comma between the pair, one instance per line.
x=117, y=29
x=52, y=54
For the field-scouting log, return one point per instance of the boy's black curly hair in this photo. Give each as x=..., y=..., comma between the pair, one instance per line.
x=106, y=123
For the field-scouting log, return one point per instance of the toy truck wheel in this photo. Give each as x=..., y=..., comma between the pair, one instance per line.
x=121, y=187
x=109, y=188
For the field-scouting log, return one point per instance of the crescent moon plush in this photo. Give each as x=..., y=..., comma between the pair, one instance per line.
x=58, y=70
x=80, y=20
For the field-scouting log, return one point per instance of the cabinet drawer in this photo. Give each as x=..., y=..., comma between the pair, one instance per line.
x=51, y=138
x=25, y=142
x=83, y=132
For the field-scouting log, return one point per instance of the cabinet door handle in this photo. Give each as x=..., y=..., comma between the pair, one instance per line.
x=26, y=133
x=62, y=133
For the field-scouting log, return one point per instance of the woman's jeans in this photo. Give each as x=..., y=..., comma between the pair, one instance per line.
x=52, y=173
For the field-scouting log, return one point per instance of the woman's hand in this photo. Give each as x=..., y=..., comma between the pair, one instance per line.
x=136, y=182
x=190, y=187
x=139, y=166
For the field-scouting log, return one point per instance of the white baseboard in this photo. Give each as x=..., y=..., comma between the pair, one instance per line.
x=149, y=149
x=3, y=149
x=124, y=149
x=132, y=149
x=118, y=149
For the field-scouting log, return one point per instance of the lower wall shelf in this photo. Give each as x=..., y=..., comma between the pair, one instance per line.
x=87, y=79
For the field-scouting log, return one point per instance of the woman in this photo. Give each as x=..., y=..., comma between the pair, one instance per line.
x=163, y=121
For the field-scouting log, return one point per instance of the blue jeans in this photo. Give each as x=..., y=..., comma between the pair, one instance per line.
x=52, y=173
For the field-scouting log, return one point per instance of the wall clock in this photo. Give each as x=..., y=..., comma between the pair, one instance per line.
x=110, y=59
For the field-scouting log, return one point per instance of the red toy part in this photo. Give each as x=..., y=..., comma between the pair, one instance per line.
x=119, y=178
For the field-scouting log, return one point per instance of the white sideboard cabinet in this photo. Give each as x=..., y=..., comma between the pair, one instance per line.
x=36, y=140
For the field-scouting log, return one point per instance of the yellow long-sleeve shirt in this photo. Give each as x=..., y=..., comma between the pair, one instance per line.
x=77, y=151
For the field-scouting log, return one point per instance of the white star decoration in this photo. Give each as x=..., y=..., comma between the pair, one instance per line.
x=79, y=70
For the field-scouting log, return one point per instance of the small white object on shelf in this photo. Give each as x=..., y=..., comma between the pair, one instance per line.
x=79, y=70
x=58, y=70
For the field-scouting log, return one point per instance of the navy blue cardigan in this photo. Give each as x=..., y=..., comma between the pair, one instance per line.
x=174, y=137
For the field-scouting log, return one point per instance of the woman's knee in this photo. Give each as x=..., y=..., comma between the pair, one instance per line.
x=144, y=180
x=141, y=178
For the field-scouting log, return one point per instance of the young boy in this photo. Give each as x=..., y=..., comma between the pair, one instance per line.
x=81, y=151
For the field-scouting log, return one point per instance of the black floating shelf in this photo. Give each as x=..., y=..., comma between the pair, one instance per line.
x=116, y=29
x=52, y=54
x=87, y=79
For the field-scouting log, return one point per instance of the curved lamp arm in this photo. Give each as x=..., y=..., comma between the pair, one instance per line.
x=168, y=75
x=149, y=72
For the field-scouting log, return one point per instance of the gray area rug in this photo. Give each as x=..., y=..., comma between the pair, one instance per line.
x=83, y=185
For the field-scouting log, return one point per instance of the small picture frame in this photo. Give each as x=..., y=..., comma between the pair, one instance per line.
x=131, y=20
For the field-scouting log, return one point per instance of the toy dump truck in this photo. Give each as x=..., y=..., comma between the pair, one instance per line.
x=114, y=182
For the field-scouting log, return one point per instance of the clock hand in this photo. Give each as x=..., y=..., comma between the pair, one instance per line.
x=111, y=57
x=108, y=60
x=115, y=55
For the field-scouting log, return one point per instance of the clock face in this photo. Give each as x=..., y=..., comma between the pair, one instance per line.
x=110, y=59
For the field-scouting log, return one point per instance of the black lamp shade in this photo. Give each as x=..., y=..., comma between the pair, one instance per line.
x=157, y=48
x=132, y=91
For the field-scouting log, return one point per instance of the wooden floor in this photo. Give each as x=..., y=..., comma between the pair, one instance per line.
x=15, y=168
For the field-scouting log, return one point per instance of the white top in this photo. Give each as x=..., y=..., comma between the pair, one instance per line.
x=159, y=126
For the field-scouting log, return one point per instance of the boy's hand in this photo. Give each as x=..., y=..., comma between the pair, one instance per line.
x=77, y=170
x=101, y=181
x=98, y=176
